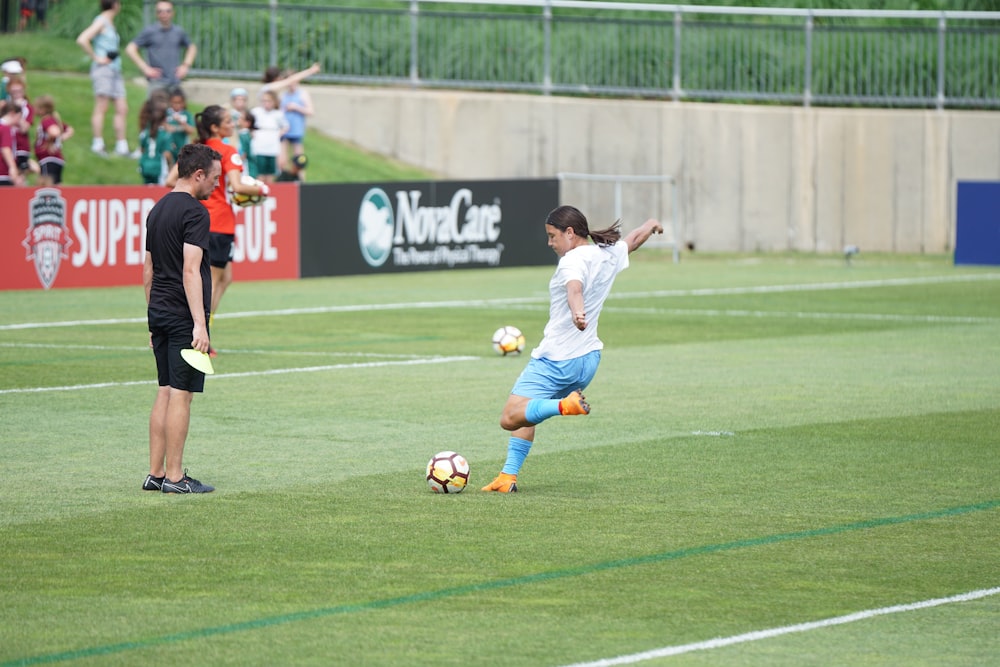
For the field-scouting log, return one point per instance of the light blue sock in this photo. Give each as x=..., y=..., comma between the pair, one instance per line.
x=517, y=451
x=540, y=409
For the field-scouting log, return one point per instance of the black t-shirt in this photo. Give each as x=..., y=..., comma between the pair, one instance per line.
x=176, y=219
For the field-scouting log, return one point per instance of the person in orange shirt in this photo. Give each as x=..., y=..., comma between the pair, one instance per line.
x=214, y=124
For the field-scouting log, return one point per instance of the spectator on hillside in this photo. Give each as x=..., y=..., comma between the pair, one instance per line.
x=164, y=41
x=22, y=135
x=36, y=9
x=27, y=11
x=154, y=140
x=296, y=167
x=180, y=123
x=270, y=124
x=10, y=67
x=238, y=105
x=10, y=116
x=101, y=42
x=52, y=132
x=296, y=103
x=248, y=126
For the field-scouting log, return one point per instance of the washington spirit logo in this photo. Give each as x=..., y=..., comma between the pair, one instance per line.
x=48, y=238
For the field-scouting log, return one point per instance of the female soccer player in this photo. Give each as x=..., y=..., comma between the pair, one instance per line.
x=566, y=360
x=214, y=125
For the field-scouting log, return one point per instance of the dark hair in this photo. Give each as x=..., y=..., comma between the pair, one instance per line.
x=152, y=114
x=9, y=106
x=213, y=114
x=193, y=157
x=108, y=4
x=566, y=217
x=272, y=74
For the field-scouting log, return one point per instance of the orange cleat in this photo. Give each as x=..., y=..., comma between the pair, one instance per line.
x=574, y=404
x=504, y=483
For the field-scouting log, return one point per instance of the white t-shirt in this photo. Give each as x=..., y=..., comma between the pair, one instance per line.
x=266, y=138
x=596, y=268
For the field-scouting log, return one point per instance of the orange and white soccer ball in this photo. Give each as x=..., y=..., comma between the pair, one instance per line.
x=447, y=472
x=508, y=340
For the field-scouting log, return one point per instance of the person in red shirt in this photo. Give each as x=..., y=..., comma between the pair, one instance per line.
x=10, y=118
x=52, y=132
x=17, y=93
x=215, y=124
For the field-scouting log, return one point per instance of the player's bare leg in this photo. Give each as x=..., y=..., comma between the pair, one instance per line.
x=97, y=123
x=521, y=411
x=158, y=432
x=177, y=419
x=118, y=122
x=520, y=415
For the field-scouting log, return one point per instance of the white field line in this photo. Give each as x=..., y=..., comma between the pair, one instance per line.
x=875, y=317
x=228, y=351
x=720, y=642
x=275, y=371
x=487, y=303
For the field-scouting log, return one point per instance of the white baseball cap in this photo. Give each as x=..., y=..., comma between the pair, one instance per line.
x=12, y=67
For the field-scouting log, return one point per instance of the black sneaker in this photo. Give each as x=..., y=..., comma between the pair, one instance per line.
x=152, y=483
x=185, y=485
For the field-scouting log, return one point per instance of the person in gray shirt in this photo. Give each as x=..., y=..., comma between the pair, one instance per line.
x=170, y=53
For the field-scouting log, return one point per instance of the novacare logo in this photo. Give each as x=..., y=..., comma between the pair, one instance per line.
x=375, y=224
x=459, y=233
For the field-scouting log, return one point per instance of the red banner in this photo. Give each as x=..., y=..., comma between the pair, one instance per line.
x=95, y=236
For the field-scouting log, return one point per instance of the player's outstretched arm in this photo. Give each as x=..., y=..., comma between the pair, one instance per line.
x=641, y=234
x=295, y=77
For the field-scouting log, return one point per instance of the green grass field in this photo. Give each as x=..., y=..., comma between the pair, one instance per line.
x=774, y=441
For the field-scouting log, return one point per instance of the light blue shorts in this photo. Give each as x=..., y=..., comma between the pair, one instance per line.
x=544, y=378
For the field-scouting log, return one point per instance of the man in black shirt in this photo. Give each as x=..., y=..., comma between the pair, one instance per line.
x=178, y=285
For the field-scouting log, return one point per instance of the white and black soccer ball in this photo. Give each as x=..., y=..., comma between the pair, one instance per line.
x=447, y=472
x=242, y=200
x=508, y=340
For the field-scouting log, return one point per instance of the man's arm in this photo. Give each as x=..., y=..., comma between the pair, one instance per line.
x=193, y=292
x=147, y=275
x=641, y=234
x=188, y=62
x=132, y=51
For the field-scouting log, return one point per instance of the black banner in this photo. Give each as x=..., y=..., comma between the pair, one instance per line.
x=424, y=226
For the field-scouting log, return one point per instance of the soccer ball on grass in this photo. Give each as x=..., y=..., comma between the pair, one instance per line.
x=508, y=340
x=242, y=200
x=447, y=472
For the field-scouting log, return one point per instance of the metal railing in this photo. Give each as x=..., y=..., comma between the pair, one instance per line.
x=679, y=52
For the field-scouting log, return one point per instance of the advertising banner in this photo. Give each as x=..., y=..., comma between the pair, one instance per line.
x=424, y=226
x=977, y=234
x=95, y=236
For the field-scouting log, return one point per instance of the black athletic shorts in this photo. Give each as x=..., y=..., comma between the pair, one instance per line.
x=171, y=333
x=53, y=169
x=220, y=249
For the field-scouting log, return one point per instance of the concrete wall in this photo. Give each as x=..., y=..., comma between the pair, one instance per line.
x=750, y=177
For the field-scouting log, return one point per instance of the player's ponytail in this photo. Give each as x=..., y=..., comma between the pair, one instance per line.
x=213, y=114
x=565, y=217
